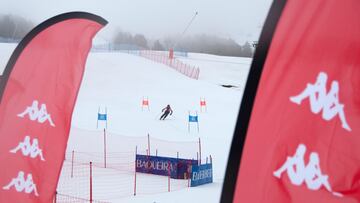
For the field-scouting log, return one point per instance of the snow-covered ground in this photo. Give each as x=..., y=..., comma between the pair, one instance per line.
x=119, y=81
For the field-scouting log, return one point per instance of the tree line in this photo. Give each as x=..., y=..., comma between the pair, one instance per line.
x=14, y=27
x=204, y=43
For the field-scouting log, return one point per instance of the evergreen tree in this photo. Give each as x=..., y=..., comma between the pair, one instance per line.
x=247, y=50
x=158, y=46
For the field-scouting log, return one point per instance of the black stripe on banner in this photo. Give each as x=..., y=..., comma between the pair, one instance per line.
x=247, y=102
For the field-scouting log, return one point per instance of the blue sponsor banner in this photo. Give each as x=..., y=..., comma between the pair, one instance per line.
x=102, y=117
x=178, y=168
x=201, y=174
x=193, y=118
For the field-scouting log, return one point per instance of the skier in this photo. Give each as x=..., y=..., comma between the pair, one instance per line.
x=166, y=111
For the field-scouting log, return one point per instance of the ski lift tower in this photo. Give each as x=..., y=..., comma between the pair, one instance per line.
x=171, y=51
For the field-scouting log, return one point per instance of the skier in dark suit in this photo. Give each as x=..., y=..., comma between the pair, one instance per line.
x=167, y=110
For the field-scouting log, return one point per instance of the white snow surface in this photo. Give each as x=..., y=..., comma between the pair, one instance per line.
x=119, y=81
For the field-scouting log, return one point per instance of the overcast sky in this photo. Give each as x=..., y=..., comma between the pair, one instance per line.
x=239, y=19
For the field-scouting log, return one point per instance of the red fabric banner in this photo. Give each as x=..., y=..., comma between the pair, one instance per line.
x=145, y=103
x=303, y=139
x=43, y=78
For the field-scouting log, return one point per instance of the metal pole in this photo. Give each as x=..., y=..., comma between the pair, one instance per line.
x=97, y=119
x=189, y=122
x=104, y=148
x=142, y=104
x=72, y=164
x=135, y=172
x=199, y=150
x=197, y=121
x=149, y=144
x=106, y=116
x=187, y=27
x=169, y=177
x=91, y=182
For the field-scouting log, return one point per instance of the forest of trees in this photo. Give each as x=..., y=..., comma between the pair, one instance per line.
x=209, y=44
x=14, y=27
x=127, y=38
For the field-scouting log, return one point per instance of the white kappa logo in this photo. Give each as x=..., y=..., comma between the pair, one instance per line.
x=29, y=149
x=20, y=184
x=36, y=113
x=309, y=174
x=321, y=100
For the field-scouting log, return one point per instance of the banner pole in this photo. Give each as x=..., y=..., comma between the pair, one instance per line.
x=199, y=151
x=205, y=105
x=148, y=144
x=91, y=200
x=188, y=173
x=106, y=117
x=135, y=172
x=97, y=119
x=197, y=121
x=189, y=122
x=142, y=104
x=104, y=148
x=169, y=177
x=72, y=163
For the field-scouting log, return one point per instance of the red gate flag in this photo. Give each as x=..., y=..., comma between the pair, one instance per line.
x=302, y=129
x=38, y=92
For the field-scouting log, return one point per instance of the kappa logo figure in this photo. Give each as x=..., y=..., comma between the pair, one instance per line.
x=29, y=149
x=299, y=173
x=321, y=100
x=35, y=113
x=20, y=184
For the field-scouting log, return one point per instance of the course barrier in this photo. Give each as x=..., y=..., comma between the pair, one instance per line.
x=163, y=57
x=109, y=172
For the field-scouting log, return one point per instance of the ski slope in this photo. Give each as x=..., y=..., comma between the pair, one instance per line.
x=119, y=81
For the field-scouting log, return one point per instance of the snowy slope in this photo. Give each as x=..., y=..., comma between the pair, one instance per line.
x=118, y=81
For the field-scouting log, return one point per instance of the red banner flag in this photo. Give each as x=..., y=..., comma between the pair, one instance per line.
x=303, y=134
x=38, y=92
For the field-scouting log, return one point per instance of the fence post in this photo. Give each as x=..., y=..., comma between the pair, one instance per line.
x=72, y=163
x=199, y=151
x=191, y=73
x=189, y=172
x=169, y=169
x=189, y=123
x=104, y=148
x=149, y=144
x=135, y=172
x=91, y=182
x=197, y=157
x=197, y=125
